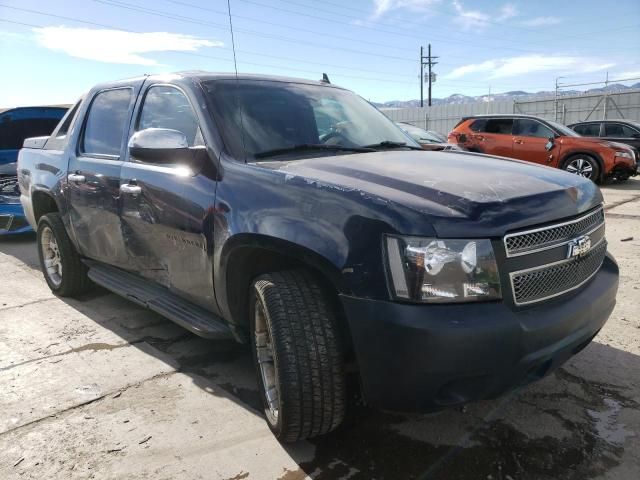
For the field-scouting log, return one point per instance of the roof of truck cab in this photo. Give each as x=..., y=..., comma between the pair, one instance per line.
x=202, y=76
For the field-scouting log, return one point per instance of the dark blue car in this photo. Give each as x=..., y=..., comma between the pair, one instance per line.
x=16, y=125
x=293, y=216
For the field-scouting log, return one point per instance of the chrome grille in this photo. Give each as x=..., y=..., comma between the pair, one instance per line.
x=529, y=241
x=8, y=185
x=548, y=281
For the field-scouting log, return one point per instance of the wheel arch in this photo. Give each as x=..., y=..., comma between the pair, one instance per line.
x=43, y=202
x=246, y=256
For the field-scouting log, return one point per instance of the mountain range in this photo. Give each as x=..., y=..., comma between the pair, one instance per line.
x=458, y=98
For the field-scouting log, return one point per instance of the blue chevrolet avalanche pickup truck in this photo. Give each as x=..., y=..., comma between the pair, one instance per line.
x=295, y=217
x=16, y=125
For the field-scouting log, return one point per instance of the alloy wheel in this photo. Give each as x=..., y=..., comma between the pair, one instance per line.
x=580, y=166
x=51, y=256
x=264, y=354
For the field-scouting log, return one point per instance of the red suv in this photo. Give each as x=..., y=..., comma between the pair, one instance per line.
x=534, y=139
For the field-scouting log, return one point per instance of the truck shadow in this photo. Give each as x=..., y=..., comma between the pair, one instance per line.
x=565, y=426
x=633, y=184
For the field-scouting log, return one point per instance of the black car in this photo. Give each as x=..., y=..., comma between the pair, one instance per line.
x=621, y=131
x=293, y=216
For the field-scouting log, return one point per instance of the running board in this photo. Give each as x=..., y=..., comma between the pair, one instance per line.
x=160, y=300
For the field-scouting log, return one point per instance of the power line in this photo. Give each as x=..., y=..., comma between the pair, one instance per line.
x=191, y=20
x=444, y=12
x=183, y=18
x=244, y=30
x=194, y=54
x=444, y=39
x=476, y=86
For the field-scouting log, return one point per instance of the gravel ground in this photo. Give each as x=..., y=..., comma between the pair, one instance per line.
x=99, y=388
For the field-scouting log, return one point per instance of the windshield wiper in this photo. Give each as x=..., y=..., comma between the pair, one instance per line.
x=390, y=144
x=304, y=147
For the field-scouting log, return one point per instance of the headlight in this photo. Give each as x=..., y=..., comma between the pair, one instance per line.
x=435, y=271
x=624, y=155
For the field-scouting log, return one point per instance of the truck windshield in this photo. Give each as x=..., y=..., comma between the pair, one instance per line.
x=265, y=116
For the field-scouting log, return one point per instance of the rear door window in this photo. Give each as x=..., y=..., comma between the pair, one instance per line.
x=59, y=138
x=106, y=122
x=526, y=127
x=588, y=129
x=502, y=126
x=618, y=130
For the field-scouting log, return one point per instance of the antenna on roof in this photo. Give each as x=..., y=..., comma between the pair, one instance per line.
x=325, y=79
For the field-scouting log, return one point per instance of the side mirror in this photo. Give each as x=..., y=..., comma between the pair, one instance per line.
x=550, y=144
x=166, y=146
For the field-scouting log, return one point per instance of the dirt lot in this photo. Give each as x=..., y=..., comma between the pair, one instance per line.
x=99, y=388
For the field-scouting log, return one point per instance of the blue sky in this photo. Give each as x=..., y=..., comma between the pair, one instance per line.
x=53, y=51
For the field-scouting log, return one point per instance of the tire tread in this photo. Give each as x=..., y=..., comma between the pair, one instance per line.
x=308, y=353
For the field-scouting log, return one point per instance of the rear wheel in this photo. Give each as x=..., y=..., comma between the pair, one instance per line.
x=63, y=270
x=298, y=355
x=583, y=165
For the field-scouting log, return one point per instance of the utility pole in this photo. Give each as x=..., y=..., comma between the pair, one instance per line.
x=421, y=77
x=606, y=96
x=555, y=98
x=428, y=61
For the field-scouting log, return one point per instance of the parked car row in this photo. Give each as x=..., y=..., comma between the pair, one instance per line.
x=621, y=131
x=545, y=142
x=294, y=217
x=15, y=126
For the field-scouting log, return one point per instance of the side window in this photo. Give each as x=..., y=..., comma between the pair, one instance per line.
x=501, y=126
x=106, y=122
x=617, y=130
x=67, y=121
x=479, y=125
x=58, y=140
x=531, y=128
x=168, y=107
x=588, y=129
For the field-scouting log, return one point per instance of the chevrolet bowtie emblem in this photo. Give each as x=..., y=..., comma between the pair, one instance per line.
x=579, y=246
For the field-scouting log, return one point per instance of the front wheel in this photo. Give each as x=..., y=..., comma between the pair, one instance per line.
x=583, y=165
x=298, y=355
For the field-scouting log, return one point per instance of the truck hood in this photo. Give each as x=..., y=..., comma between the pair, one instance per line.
x=460, y=194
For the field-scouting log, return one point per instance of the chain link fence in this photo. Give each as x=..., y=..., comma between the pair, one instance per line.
x=567, y=110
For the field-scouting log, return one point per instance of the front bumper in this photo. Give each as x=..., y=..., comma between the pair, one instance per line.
x=420, y=358
x=12, y=218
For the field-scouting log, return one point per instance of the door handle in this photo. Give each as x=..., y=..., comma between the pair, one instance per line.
x=518, y=141
x=75, y=178
x=130, y=189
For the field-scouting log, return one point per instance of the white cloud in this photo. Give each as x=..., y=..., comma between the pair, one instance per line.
x=628, y=74
x=541, y=22
x=116, y=46
x=384, y=6
x=526, y=64
x=507, y=11
x=477, y=19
